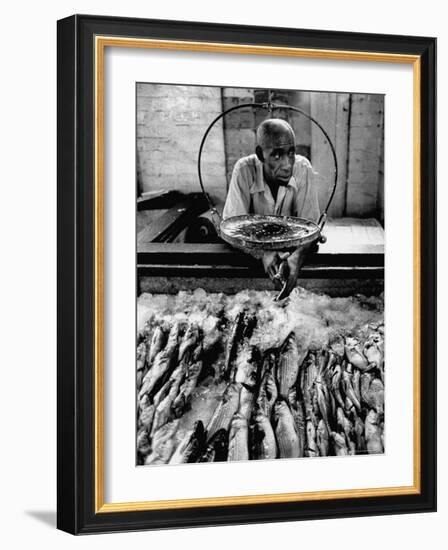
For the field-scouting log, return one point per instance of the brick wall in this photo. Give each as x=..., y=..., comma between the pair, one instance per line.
x=171, y=121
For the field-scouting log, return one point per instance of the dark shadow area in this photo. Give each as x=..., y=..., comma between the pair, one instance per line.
x=45, y=516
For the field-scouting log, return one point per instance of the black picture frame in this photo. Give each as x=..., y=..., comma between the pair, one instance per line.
x=76, y=481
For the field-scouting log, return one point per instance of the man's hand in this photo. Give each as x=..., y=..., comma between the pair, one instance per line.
x=293, y=263
x=271, y=263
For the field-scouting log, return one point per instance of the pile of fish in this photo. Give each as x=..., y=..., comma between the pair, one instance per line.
x=227, y=399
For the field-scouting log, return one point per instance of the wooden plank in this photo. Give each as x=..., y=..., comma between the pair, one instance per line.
x=338, y=205
x=167, y=226
x=330, y=286
x=215, y=271
x=331, y=110
x=158, y=200
x=323, y=109
x=364, y=163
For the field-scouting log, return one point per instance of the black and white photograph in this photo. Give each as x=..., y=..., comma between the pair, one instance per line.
x=260, y=274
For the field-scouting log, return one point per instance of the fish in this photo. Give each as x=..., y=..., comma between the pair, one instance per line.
x=247, y=366
x=372, y=432
x=263, y=437
x=288, y=365
x=374, y=350
x=156, y=344
x=359, y=435
x=194, y=368
x=323, y=401
x=143, y=446
x=339, y=444
x=163, y=444
x=189, y=340
x=372, y=392
x=170, y=390
x=191, y=446
x=348, y=388
x=225, y=410
x=285, y=432
x=336, y=385
x=298, y=414
x=337, y=345
x=322, y=437
x=141, y=362
x=147, y=410
x=217, y=447
x=355, y=356
x=268, y=393
x=345, y=424
x=246, y=402
x=269, y=362
x=238, y=439
x=163, y=363
x=356, y=381
x=311, y=443
x=242, y=327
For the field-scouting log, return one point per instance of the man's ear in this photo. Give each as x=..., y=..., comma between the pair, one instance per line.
x=259, y=153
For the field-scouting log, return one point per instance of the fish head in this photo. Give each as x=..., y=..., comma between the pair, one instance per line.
x=372, y=417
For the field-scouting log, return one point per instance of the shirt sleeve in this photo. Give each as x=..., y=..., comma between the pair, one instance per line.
x=238, y=194
x=307, y=198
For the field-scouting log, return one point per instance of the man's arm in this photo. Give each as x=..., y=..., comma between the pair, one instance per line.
x=307, y=202
x=307, y=206
x=238, y=194
x=238, y=204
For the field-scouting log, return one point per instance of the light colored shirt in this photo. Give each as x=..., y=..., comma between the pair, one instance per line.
x=249, y=194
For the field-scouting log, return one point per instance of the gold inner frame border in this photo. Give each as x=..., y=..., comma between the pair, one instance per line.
x=101, y=42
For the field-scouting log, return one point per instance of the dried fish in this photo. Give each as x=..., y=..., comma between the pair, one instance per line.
x=323, y=436
x=311, y=443
x=373, y=433
x=163, y=363
x=285, y=433
x=348, y=388
x=264, y=444
x=156, y=344
x=189, y=341
x=247, y=398
x=242, y=327
x=194, y=367
x=163, y=444
x=225, y=410
x=238, y=439
x=288, y=365
x=247, y=366
x=143, y=446
x=298, y=414
x=217, y=448
x=359, y=434
x=354, y=354
x=372, y=392
x=339, y=444
x=268, y=393
x=170, y=390
x=141, y=362
x=191, y=446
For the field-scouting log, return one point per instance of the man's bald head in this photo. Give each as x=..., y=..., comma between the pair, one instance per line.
x=276, y=147
x=271, y=130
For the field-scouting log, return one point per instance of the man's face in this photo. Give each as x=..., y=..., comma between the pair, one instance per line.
x=279, y=157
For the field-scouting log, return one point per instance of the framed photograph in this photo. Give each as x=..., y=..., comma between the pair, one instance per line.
x=246, y=274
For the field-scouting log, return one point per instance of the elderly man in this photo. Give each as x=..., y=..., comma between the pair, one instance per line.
x=275, y=180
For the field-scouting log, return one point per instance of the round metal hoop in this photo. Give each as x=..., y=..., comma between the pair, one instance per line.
x=269, y=106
